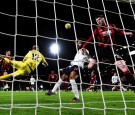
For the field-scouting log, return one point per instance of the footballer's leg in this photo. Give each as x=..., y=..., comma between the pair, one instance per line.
x=4, y=77
x=57, y=85
x=122, y=66
x=17, y=64
x=130, y=77
x=91, y=64
x=14, y=64
x=6, y=60
x=74, y=85
x=23, y=71
x=14, y=74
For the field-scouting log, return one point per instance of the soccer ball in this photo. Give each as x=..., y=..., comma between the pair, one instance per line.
x=67, y=25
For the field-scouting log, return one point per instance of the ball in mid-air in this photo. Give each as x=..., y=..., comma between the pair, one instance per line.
x=67, y=25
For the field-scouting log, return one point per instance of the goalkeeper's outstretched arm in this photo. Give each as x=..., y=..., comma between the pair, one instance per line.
x=44, y=62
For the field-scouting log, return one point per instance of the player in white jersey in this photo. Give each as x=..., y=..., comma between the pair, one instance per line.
x=72, y=71
x=116, y=81
x=32, y=83
x=81, y=57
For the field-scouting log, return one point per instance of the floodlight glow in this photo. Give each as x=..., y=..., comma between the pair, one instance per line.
x=124, y=47
x=54, y=48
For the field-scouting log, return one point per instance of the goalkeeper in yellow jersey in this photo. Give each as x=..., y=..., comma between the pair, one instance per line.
x=32, y=59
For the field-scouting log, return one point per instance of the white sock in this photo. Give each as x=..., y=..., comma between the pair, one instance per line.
x=124, y=89
x=32, y=89
x=74, y=88
x=57, y=85
x=113, y=88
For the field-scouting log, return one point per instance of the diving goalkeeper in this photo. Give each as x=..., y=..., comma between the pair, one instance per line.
x=32, y=59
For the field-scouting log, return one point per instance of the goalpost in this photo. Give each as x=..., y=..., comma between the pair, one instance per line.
x=42, y=22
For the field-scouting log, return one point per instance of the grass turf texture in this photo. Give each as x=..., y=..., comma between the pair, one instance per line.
x=24, y=103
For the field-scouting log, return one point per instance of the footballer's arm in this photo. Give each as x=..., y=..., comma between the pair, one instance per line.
x=44, y=62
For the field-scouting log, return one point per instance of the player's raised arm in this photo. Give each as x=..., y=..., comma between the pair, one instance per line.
x=121, y=32
x=129, y=34
x=90, y=39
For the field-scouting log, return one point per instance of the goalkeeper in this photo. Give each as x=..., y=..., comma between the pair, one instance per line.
x=32, y=59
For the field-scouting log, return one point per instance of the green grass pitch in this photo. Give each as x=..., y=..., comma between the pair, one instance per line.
x=92, y=103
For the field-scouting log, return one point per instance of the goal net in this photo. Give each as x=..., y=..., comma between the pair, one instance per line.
x=24, y=23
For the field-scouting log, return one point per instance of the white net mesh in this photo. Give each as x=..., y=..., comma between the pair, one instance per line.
x=24, y=23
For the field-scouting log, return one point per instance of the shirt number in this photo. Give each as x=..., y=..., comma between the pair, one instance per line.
x=35, y=56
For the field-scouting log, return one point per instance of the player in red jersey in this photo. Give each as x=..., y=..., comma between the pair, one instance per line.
x=105, y=38
x=93, y=82
x=53, y=77
x=5, y=68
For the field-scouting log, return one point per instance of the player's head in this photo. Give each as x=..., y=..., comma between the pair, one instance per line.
x=100, y=20
x=35, y=47
x=8, y=52
x=79, y=44
x=115, y=73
